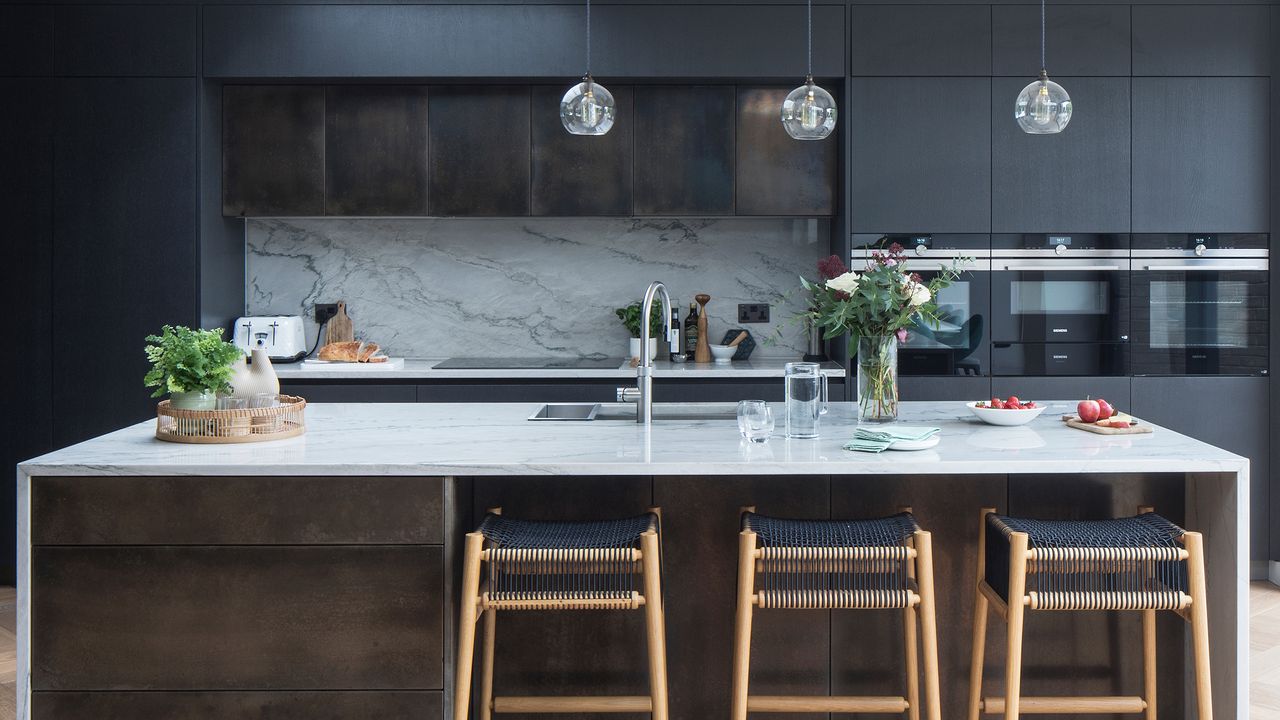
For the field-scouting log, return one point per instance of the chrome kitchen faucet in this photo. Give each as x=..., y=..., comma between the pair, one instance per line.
x=642, y=393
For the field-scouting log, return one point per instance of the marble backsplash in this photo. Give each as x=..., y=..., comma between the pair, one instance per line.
x=437, y=287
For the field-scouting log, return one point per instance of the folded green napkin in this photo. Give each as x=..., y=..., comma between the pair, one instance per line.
x=876, y=440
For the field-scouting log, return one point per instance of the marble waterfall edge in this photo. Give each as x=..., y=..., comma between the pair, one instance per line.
x=437, y=287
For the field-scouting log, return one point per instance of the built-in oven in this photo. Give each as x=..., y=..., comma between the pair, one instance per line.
x=960, y=345
x=1200, y=304
x=1060, y=304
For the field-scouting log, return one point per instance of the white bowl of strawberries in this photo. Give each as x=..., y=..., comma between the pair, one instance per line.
x=1007, y=412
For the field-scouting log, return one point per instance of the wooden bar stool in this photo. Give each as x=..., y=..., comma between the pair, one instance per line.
x=1141, y=563
x=877, y=564
x=532, y=565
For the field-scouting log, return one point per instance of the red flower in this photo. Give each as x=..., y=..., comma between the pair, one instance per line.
x=915, y=278
x=895, y=249
x=832, y=267
x=842, y=295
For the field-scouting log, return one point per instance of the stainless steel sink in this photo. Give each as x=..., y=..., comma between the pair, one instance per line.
x=568, y=411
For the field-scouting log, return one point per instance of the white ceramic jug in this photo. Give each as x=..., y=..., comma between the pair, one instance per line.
x=254, y=378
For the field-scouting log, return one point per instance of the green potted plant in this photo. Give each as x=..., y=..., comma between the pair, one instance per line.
x=630, y=317
x=190, y=366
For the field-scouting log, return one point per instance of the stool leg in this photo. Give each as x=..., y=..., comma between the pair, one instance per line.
x=1017, y=589
x=655, y=624
x=978, y=656
x=928, y=623
x=1199, y=622
x=742, y=623
x=486, y=664
x=1149, y=662
x=467, y=624
x=910, y=643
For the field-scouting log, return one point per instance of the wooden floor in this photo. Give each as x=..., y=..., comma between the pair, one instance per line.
x=1264, y=649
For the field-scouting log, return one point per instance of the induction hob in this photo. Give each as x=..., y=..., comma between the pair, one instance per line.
x=529, y=363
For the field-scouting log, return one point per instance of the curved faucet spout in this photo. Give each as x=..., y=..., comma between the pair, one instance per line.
x=644, y=370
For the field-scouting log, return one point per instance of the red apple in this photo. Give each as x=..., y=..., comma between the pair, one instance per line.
x=1089, y=410
x=1105, y=409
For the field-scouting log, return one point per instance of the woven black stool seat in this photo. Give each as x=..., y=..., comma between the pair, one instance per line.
x=508, y=532
x=1121, y=564
x=833, y=563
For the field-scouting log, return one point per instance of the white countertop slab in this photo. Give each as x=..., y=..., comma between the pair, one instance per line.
x=424, y=369
x=497, y=439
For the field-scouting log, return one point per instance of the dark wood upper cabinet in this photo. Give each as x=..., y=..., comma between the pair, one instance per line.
x=26, y=40
x=126, y=40
x=1200, y=154
x=1075, y=181
x=272, y=150
x=1081, y=40
x=1209, y=40
x=905, y=40
x=479, y=161
x=574, y=175
x=776, y=174
x=685, y=150
x=921, y=154
x=375, y=150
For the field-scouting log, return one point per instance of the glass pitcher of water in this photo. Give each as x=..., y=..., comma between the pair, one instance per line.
x=806, y=398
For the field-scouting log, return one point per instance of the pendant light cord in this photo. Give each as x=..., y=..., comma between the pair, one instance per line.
x=589, y=37
x=809, y=25
x=1042, y=65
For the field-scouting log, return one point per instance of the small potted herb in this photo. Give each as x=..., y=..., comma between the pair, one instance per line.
x=630, y=317
x=190, y=366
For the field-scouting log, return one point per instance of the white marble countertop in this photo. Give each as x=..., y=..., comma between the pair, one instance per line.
x=424, y=369
x=497, y=439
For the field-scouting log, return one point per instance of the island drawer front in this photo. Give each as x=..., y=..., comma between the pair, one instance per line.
x=237, y=511
x=280, y=705
x=238, y=618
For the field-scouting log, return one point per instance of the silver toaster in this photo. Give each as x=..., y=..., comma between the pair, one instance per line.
x=282, y=336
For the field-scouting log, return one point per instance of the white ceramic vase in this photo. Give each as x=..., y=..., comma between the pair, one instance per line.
x=254, y=378
x=653, y=348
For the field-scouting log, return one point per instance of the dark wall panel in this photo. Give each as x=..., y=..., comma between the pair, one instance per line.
x=1080, y=40
x=272, y=150
x=922, y=40
x=479, y=138
x=1201, y=40
x=126, y=40
x=125, y=241
x=1076, y=181
x=776, y=174
x=685, y=150
x=283, y=705
x=26, y=40
x=574, y=175
x=375, y=150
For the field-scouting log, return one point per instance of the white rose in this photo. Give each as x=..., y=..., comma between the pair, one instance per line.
x=845, y=283
x=919, y=294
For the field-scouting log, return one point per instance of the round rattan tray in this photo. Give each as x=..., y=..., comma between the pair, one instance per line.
x=231, y=426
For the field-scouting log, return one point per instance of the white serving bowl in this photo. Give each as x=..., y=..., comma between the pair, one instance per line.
x=723, y=353
x=1000, y=416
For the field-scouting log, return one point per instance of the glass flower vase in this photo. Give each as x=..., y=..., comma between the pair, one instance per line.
x=878, y=378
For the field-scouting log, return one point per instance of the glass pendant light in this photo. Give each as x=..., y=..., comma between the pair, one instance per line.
x=1043, y=107
x=809, y=112
x=588, y=107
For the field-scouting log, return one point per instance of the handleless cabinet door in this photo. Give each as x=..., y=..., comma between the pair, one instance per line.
x=375, y=150
x=479, y=138
x=897, y=40
x=126, y=40
x=26, y=40
x=776, y=174
x=1088, y=40
x=272, y=150
x=684, y=150
x=1075, y=181
x=921, y=154
x=576, y=175
x=1204, y=39
x=1200, y=154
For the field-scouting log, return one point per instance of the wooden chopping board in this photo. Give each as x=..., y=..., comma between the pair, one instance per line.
x=1075, y=422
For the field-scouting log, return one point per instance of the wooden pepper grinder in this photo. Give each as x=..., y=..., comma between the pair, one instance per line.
x=702, y=353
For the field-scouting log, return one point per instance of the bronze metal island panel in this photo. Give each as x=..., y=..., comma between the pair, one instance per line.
x=284, y=705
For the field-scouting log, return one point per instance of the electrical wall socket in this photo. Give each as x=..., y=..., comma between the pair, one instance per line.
x=753, y=312
x=324, y=311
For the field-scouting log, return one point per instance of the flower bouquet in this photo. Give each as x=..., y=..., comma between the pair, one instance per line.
x=875, y=307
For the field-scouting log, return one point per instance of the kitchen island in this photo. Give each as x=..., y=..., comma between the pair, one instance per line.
x=316, y=577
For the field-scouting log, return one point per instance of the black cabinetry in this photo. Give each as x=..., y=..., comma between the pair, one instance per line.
x=125, y=40
x=921, y=148
x=375, y=150
x=1208, y=40
x=479, y=150
x=776, y=174
x=1116, y=390
x=1077, y=181
x=923, y=40
x=686, y=137
x=26, y=40
x=1083, y=40
x=575, y=175
x=272, y=150
x=1200, y=154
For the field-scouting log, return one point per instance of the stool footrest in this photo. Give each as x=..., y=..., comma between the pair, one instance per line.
x=563, y=601
x=574, y=704
x=826, y=704
x=1029, y=704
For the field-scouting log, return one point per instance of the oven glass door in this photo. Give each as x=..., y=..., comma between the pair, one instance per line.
x=959, y=345
x=1200, y=321
x=1069, y=305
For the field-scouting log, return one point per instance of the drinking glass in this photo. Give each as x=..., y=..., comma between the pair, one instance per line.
x=755, y=420
x=265, y=400
x=232, y=403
